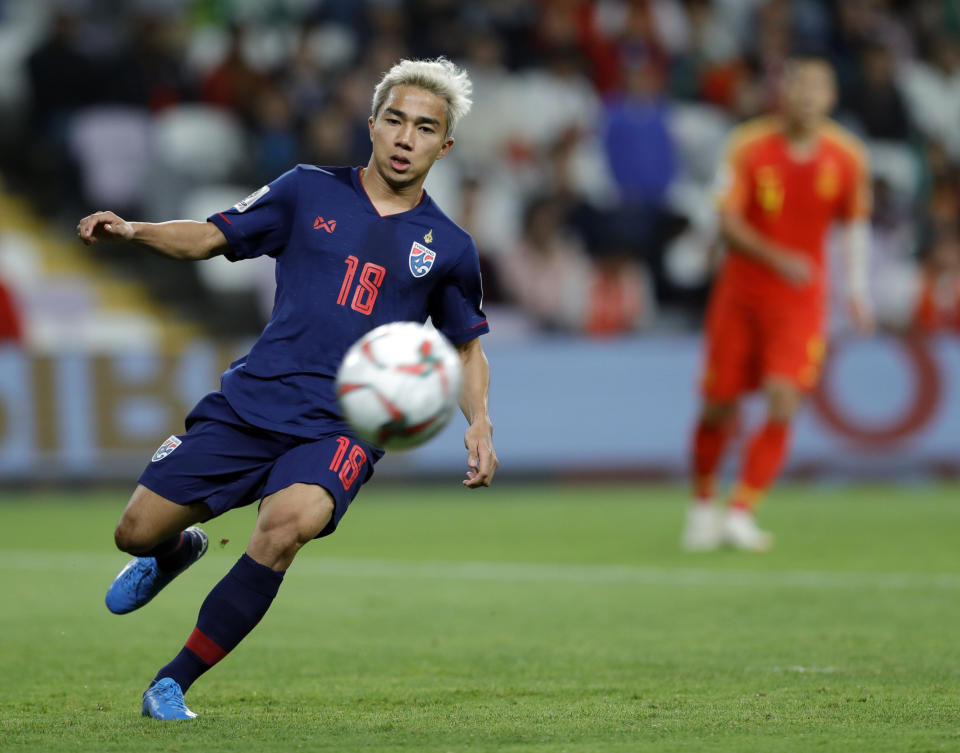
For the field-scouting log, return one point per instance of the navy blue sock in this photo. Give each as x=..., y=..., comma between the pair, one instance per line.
x=175, y=552
x=230, y=611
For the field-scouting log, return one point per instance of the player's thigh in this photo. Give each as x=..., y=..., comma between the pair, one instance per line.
x=793, y=353
x=731, y=356
x=220, y=462
x=288, y=519
x=339, y=464
x=783, y=397
x=149, y=519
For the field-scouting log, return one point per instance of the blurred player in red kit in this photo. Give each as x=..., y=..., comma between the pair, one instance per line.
x=785, y=179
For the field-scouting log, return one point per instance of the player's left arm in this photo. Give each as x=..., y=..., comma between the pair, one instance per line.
x=856, y=245
x=475, y=404
x=857, y=252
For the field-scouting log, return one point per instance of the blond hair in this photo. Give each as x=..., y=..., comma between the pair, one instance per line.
x=438, y=76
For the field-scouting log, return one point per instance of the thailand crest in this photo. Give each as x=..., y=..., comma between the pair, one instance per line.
x=421, y=259
x=165, y=449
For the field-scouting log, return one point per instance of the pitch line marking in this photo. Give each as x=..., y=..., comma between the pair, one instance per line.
x=521, y=572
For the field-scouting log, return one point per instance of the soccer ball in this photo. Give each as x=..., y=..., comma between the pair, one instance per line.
x=399, y=384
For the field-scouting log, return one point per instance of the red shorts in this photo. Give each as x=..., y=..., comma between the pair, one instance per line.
x=747, y=343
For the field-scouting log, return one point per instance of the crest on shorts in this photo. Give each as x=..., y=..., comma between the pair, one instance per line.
x=421, y=259
x=165, y=449
x=245, y=204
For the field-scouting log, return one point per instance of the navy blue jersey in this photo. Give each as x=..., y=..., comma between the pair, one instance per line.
x=342, y=269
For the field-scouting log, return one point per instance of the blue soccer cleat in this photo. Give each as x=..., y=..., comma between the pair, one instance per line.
x=142, y=579
x=164, y=700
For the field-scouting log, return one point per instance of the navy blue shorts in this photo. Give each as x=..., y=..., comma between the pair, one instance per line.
x=225, y=462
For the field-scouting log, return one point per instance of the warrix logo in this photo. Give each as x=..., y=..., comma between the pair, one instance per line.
x=328, y=225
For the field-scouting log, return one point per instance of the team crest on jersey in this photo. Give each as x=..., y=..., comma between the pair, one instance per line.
x=165, y=449
x=245, y=204
x=421, y=259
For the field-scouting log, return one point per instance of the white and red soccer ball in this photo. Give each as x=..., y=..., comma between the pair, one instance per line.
x=399, y=385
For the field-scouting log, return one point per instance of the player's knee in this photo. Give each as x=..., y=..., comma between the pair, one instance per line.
x=782, y=402
x=716, y=413
x=288, y=524
x=131, y=538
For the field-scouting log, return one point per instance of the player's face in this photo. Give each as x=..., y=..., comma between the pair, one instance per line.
x=408, y=135
x=809, y=92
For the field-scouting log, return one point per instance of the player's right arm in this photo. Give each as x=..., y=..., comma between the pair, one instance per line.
x=744, y=239
x=734, y=191
x=178, y=239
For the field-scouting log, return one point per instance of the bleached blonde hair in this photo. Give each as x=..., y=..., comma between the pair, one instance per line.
x=438, y=76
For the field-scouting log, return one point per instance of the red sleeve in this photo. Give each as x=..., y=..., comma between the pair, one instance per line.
x=858, y=202
x=733, y=179
x=10, y=326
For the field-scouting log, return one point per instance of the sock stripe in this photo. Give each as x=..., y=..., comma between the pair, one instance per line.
x=208, y=651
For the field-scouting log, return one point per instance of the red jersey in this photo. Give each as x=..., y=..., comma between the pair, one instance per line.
x=792, y=200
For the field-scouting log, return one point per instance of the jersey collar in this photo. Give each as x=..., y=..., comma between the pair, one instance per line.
x=358, y=185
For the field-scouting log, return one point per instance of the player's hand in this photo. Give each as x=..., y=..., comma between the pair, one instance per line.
x=795, y=269
x=99, y=225
x=862, y=315
x=481, y=457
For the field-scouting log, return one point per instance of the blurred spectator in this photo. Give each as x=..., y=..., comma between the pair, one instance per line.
x=938, y=303
x=932, y=91
x=547, y=272
x=276, y=143
x=876, y=100
x=552, y=278
x=620, y=299
x=328, y=137
x=59, y=75
x=710, y=67
x=150, y=67
x=639, y=147
x=234, y=83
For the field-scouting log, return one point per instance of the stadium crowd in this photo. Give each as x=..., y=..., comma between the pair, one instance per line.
x=584, y=171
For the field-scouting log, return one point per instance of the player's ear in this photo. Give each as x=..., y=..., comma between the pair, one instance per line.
x=370, y=126
x=445, y=149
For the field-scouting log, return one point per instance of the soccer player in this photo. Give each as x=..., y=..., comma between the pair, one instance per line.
x=344, y=242
x=786, y=178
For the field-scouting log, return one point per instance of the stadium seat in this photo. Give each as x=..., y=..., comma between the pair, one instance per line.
x=255, y=276
x=199, y=142
x=700, y=132
x=897, y=164
x=109, y=143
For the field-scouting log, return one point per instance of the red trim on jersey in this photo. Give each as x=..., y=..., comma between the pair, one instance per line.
x=480, y=324
x=419, y=201
x=225, y=218
x=208, y=651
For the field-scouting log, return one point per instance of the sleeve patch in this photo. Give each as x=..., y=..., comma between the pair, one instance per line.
x=245, y=204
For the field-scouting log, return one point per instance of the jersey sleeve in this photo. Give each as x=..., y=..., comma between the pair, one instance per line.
x=261, y=223
x=456, y=307
x=732, y=183
x=858, y=202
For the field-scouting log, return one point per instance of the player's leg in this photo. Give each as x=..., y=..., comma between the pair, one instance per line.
x=307, y=493
x=220, y=463
x=727, y=373
x=763, y=459
x=702, y=530
x=792, y=357
x=288, y=519
x=160, y=533
x=710, y=437
x=151, y=524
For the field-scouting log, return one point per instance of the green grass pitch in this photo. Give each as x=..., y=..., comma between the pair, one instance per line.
x=520, y=618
